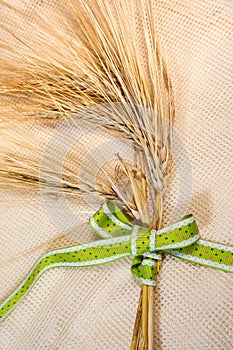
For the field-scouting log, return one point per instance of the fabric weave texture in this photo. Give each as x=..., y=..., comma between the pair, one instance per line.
x=95, y=307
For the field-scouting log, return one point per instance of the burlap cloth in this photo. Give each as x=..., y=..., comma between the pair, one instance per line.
x=94, y=308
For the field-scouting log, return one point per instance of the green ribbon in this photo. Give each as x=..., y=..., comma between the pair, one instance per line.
x=120, y=239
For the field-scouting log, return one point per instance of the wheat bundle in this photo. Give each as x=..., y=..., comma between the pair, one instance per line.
x=93, y=71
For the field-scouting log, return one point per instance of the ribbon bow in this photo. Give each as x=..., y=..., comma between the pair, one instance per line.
x=181, y=239
x=121, y=239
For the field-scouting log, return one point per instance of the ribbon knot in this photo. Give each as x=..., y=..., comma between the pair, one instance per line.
x=145, y=257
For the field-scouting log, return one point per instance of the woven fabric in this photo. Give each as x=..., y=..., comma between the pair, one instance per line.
x=95, y=308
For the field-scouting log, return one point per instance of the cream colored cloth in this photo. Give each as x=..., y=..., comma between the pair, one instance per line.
x=95, y=308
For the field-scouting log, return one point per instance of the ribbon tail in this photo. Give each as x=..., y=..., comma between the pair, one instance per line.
x=207, y=253
x=89, y=254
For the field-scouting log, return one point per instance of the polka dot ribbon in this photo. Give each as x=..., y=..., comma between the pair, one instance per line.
x=120, y=239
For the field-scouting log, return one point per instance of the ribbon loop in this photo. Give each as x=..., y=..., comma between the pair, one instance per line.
x=179, y=235
x=109, y=222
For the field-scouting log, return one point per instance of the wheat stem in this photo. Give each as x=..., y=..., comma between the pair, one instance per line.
x=137, y=324
x=144, y=338
x=150, y=318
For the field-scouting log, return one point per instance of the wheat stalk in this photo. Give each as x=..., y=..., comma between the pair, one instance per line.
x=93, y=70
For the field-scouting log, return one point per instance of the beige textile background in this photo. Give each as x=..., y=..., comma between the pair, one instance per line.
x=94, y=308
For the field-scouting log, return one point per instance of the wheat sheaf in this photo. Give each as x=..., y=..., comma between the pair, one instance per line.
x=92, y=60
